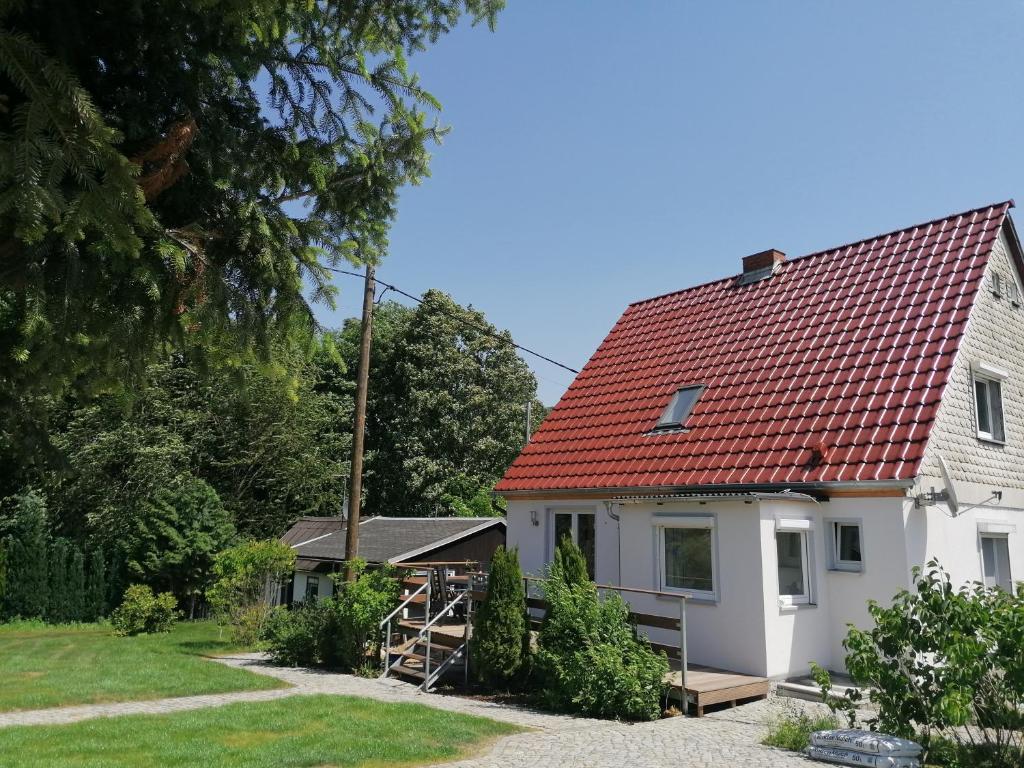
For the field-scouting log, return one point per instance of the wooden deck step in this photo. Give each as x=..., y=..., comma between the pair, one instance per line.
x=706, y=686
x=438, y=636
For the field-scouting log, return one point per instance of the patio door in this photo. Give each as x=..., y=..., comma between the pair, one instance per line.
x=578, y=526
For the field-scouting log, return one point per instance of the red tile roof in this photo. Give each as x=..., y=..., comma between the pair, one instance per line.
x=830, y=370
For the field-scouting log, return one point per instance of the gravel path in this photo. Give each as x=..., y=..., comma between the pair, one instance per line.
x=727, y=739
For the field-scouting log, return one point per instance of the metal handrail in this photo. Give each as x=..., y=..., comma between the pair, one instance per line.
x=426, y=629
x=403, y=605
x=390, y=616
x=444, y=611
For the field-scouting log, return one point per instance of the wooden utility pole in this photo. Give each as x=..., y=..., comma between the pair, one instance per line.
x=359, y=427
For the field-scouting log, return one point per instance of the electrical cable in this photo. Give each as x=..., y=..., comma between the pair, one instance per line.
x=419, y=300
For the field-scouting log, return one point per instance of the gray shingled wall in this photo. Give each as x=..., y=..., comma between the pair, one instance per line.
x=995, y=335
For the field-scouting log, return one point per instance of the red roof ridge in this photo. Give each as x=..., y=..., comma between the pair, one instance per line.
x=821, y=252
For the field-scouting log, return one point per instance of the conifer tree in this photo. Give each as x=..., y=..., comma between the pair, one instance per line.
x=27, y=594
x=569, y=564
x=499, y=646
x=95, y=600
x=76, y=586
x=58, y=609
x=145, y=196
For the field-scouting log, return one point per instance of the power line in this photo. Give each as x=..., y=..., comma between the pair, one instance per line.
x=419, y=300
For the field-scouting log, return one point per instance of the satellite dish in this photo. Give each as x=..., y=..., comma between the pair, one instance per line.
x=947, y=482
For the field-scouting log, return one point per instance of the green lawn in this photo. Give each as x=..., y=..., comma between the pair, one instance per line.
x=297, y=731
x=44, y=666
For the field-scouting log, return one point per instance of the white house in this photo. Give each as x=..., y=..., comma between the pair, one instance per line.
x=768, y=443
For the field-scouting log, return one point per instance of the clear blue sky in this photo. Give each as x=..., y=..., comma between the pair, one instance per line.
x=604, y=152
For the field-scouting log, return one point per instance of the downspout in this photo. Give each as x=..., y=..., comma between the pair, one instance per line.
x=618, y=536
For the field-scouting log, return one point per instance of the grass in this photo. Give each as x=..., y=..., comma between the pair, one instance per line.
x=43, y=666
x=793, y=731
x=298, y=731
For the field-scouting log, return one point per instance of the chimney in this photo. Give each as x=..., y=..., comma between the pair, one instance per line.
x=760, y=266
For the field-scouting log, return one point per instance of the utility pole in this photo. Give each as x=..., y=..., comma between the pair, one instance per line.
x=529, y=418
x=355, y=495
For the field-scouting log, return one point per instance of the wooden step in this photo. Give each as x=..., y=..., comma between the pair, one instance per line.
x=442, y=651
x=401, y=669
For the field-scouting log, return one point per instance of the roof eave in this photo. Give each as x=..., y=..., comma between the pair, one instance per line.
x=814, y=488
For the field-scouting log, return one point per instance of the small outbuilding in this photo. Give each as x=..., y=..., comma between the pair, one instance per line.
x=319, y=543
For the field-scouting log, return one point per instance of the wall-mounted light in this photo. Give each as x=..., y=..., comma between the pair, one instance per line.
x=533, y=517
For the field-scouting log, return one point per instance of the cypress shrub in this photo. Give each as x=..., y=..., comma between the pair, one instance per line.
x=95, y=597
x=76, y=586
x=3, y=572
x=58, y=607
x=569, y=565
x=27, y=593
x=499, y=647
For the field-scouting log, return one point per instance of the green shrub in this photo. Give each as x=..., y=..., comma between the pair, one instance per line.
x=590, y=659
x=499, y=647
x=793, y=730
x=143, y=612
x=942, y=663
x=338, y=632
x=293, y=638
x=246, y=576
x=359, y=607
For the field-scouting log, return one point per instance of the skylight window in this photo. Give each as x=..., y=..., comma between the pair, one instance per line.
x=678, y=410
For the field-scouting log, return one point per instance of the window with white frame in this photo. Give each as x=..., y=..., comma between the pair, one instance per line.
x=578, y=525
x=995, y=560
x=793, y=553
x=988, y=402
x=686, y=552
x=845, y=545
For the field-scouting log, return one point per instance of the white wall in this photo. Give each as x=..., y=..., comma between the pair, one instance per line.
x=326, y=586
x=746, y=629
x=798, y=635
x=956, y=543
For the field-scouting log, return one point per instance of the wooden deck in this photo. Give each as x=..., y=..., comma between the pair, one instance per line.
x=706, y=686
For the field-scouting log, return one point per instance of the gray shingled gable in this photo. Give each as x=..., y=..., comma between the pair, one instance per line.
x=382, y=539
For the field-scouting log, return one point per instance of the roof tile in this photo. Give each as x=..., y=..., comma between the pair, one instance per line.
x=846, y=350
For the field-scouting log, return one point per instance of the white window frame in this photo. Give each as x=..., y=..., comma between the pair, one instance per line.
x=835, y=562
x=991, y=532
x=574, y=529
x=805, y=528
x=989, y=375
x=686, y=521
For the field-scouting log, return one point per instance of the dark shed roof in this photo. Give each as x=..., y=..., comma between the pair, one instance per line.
x=390, y=539
x=307, y=528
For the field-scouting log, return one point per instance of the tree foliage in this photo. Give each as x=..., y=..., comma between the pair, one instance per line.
x=182, y=529
x=500, y=644
x=943, y=665
x=190, y=169
x=447, y=406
